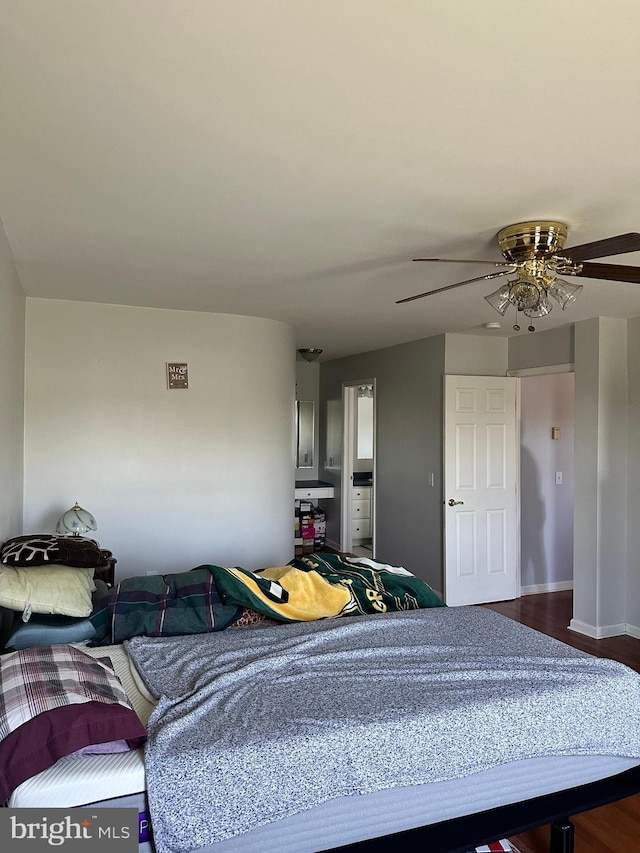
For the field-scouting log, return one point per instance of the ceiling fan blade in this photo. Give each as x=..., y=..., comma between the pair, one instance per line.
x=457, y=284
x=611, y=272
x=465, y=261
x=603, y=248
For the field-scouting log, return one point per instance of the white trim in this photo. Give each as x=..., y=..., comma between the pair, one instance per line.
x=330, y=543
x=535, y=588
x=598, y=633
x=633, y=631
x=538, y=371
x=518, y=452
x=346, y=475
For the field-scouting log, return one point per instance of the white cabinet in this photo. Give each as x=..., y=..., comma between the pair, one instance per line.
x=361, y=513
x=314, y=493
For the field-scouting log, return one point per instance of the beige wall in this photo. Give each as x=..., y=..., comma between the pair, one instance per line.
x=12, y=313
x=175, y=478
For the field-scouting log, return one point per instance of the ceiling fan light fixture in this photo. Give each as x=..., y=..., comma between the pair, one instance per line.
x=535, y=252
x=564, y=292
x=310, y=353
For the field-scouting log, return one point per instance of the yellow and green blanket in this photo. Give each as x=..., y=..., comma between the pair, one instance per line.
x=321, y=586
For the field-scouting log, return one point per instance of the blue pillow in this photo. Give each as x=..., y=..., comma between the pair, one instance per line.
x=47, y=630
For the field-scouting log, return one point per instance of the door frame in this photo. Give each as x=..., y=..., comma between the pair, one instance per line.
x=546, y=370
x=349, y=402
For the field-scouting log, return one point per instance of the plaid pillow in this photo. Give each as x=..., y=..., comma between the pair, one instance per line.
x=54, y=701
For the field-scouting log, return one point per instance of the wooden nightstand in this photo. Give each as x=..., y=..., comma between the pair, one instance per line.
x=107, y=573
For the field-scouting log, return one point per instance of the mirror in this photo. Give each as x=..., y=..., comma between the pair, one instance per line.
x=304, y=433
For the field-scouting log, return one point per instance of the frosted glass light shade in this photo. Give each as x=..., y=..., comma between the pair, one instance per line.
x=76, y=522
x=499, y=299
x=541, y=310
x=525, y=293
x=565, y=292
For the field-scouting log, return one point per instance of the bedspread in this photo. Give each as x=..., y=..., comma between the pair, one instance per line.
x=255, y=725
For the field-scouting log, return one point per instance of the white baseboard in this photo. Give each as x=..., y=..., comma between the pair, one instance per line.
x=598, y=633
x=330, y=543
x=633, y=631
x=556, y=586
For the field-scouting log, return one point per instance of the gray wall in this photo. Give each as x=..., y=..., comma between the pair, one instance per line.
x=408, y=447
x=606, y=354
x=475, y=355
x=408, y=514
x=542, y=349
x=12, y=331
x=633, y=476
x=601, y=455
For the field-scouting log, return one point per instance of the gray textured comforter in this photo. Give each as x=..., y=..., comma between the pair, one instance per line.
x=256, y=724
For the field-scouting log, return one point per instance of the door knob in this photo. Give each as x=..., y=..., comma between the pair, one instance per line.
x=454, y=503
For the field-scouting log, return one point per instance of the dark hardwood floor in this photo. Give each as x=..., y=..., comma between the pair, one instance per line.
x=609, y=829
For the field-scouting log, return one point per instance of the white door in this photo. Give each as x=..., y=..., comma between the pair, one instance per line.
x=480, y=489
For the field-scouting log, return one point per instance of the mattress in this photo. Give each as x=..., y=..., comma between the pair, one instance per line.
x=348, y=820
x=118, y=780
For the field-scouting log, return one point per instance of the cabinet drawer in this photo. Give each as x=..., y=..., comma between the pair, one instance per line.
x=361, y=493
x=361, y=509
x=314, y=493
x=361, y=528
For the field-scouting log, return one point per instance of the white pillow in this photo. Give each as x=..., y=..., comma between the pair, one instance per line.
x=65, y=590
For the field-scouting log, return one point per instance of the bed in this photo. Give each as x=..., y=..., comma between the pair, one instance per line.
x=449, y=726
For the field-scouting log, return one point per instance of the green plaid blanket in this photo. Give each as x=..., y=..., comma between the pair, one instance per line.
x=162, y=606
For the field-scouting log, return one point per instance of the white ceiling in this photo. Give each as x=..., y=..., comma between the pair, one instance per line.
x=288, y=158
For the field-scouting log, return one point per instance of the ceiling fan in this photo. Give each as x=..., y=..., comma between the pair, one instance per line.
x=535, y=253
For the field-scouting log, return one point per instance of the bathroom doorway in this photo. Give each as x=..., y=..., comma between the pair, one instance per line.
x=357, y=529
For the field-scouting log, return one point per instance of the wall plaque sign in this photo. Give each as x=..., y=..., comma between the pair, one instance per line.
x=177, y=374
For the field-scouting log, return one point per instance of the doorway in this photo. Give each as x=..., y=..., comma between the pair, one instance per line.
x=547, y=474
x=357, y=526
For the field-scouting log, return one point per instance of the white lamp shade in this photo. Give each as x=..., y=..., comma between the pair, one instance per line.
x=76, y=522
